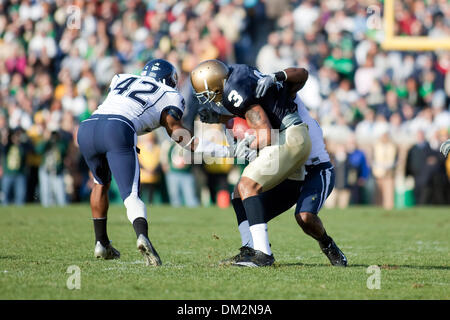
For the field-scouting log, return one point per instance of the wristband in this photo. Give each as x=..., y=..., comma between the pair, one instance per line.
x=280, y=75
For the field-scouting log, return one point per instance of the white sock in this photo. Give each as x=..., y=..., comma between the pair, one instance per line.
x=246, y=236
x=260, y=238
x=135, y=207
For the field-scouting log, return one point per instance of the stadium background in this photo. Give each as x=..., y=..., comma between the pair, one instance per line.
x=384, y=113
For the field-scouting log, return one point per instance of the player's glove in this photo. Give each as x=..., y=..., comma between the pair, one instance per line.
x=268, y=80
x=208, y=115
x=241, y=149
x=264, y=84
x=445, y=148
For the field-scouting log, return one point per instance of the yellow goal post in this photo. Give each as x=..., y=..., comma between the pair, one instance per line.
x=405, y=43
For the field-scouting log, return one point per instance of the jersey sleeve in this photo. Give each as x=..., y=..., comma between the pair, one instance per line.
x=239, y=93
x=174, y=103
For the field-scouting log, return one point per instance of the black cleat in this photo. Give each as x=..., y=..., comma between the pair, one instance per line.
x=255, y=258
x=244, y=250
x=334, y=254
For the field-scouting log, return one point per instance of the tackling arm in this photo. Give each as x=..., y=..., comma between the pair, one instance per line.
x=176, y=130
x=184, y=138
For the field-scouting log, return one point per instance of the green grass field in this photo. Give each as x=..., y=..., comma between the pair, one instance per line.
x=37, y=246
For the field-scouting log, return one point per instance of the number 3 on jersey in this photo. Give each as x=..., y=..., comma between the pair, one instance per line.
x=123, y=86
x=235, y=97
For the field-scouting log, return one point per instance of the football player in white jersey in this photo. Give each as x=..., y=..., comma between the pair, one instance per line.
x=309, y=194
x=135, y=105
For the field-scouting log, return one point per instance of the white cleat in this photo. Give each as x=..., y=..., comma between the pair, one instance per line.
x=108, y=252
x=148, y=252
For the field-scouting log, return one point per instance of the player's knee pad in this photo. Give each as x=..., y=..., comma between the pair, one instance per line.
x=135, y=207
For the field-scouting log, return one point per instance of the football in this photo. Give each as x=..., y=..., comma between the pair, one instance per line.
x=239, y=127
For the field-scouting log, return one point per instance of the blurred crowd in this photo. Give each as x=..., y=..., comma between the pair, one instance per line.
x=384, y=113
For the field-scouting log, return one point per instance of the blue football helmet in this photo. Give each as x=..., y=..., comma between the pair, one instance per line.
x=162, y=71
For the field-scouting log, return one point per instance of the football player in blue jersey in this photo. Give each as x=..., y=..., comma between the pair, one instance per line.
x=233, y=87
x=271, y=101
